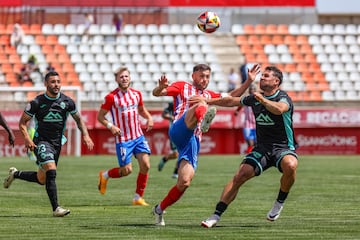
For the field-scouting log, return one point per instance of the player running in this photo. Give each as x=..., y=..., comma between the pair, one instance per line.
x=126, y=105
x=50, y=110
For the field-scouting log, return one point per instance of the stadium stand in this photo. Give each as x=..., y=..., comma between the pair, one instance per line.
x=321, y=61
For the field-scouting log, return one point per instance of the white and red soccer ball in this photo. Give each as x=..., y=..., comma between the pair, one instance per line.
x=208, y=22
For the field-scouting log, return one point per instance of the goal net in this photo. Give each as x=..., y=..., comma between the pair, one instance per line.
x=14, y=100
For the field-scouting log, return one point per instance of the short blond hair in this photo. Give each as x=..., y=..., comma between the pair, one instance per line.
x=121, y=70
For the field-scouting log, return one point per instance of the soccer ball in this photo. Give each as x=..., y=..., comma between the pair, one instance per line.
x=208, y=22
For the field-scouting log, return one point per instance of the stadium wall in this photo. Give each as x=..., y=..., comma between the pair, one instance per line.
x=318, y=131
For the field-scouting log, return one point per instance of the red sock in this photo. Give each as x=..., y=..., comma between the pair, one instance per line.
x=200, y=112
x=173, y=195
x=249, y=149
x=141, y=183
x=114, y=173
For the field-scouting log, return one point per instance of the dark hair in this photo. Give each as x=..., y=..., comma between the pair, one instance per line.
x=201, y=67
x=276, y=72
x=49, y=74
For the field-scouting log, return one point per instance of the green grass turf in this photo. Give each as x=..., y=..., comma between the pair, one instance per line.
x=323, y=204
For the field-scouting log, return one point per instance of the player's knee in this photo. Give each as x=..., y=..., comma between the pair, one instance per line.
x=245, y=172
x=182, y=185
x=289, y=165
x=42, y=182
x=125, y=171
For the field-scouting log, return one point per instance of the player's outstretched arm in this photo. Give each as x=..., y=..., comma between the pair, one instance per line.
x=146, y=114
x=255, y=70
x=225, y=101
x=4, y=124
x=160, y=90
x=84, y=131
x=23, y=123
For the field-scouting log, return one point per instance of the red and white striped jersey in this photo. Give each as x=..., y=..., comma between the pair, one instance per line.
x=123, y=106
x=249, y=120
x=181, y=92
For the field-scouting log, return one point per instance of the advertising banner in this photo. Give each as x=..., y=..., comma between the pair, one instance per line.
x=318, y=131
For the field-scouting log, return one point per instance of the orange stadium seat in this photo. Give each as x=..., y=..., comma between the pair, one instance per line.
x=51, y=39
x=241, y=39
x=59, y=49
x=301, y=39
x=260, y=29
x=283, y=29
x=298, y=57
x=294, y=48
x=27, y=84
x=248, y=29
x=11, y=79
x=47, y=49
x=9, y=29
x=14, y=58
x=4, y=39
x=51, y=57
x=289, y=39
x=25, y=28
x=35, y=29
x=277, y=39
x=271, y=29
x=253, y=39
x=3, y=58
x=40, y=39
x=68, y=67
x=63, y=58
x=7, y=68
x=290, y=67
x=9, y=50
x=266, y=39
x=305, y=49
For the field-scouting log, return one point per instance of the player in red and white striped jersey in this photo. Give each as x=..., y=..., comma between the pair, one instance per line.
x=125, y=106
x=192, y=117
x=249, y=128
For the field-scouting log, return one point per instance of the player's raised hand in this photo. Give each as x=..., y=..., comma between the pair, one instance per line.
x=255, y=70
x=163, y=81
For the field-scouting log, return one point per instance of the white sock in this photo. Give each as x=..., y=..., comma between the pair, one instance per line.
x=158, y=210
x=136, y=197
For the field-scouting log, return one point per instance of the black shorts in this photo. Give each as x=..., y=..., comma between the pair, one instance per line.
x=46, y=152
x=263, y=157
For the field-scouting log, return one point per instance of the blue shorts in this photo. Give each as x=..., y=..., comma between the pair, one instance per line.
x=187, y=143
x=125, y=150
x=249, y=134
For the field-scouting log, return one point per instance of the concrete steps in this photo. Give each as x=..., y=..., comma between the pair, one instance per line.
x=228, y=52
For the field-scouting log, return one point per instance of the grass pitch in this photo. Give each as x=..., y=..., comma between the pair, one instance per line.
x=323, y=203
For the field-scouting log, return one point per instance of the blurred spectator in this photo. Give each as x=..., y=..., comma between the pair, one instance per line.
x=24, y=74
x=17, y=36
x=28, y=69
x=50, y=68
x=233, y=80
x=117, y=21
x=89, y=19
x=33, y=63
